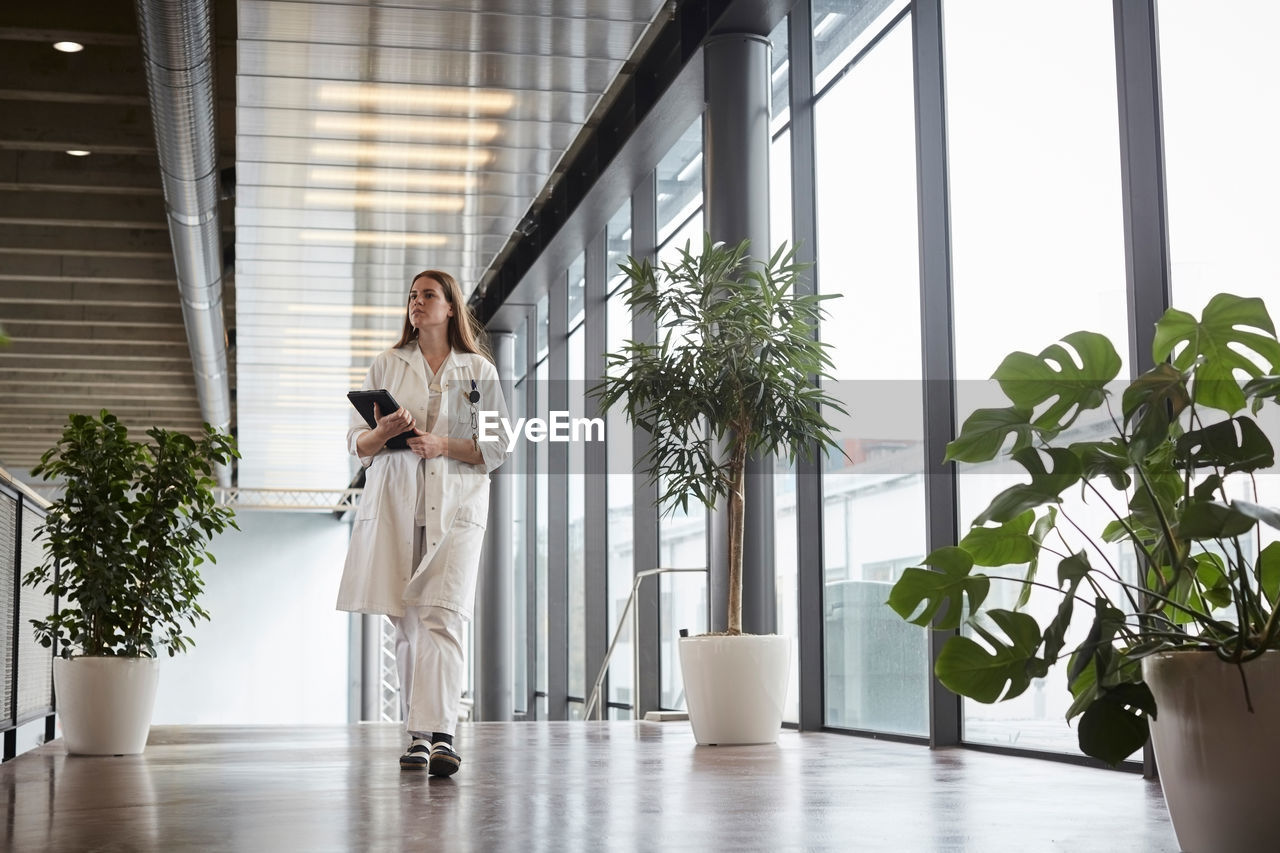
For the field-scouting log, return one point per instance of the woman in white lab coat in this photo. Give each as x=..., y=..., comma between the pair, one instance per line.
x=415, y=545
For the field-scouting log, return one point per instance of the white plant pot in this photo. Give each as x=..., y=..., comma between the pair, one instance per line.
x=1215, y=757
x=105, y=703
x=735, y=687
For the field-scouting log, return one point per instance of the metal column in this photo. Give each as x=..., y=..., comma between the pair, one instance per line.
x=493, y=645
x=644, y=244
x=558, y=505
x=736, y=168
x=809, y=502
x=595, y=535
x=1146, y=223
x=935, y=310
x=1146, y=220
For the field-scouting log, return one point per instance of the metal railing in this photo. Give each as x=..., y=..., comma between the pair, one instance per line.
x=594, y=701
x=26, y=671
x=292, y=500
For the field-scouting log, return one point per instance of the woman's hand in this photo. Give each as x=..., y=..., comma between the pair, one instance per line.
x=389, y=426
x=428, y=445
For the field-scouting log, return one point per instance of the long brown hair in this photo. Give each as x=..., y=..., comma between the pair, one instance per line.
x=465, y=334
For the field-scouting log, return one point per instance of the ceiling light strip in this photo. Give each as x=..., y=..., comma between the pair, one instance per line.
x=396, y=153
x=371, y=238
x=393, y=178
x=450, y=99
x=393, y=201
x=457, y=130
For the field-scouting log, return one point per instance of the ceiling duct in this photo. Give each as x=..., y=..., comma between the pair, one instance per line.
x=177, y=49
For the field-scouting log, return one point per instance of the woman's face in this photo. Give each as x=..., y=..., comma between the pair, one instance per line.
x=428, y=307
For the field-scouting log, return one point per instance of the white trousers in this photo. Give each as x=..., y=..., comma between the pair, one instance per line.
x=431, y=664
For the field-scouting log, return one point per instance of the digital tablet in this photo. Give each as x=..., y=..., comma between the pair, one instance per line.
x=364, y=400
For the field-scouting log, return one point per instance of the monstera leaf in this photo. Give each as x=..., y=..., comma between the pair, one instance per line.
x=1071, y=571
x=1269, y=572
x=1104, y=458
x=1002, y=672
x=1214, y=520
x=1008, y=544
x=1236, y=444
x=1151, y=404
x=1208, y=345
x=984, y=433
x=949, y=585
x=1116, y=724
x=1030, y=380
x=1045, y=487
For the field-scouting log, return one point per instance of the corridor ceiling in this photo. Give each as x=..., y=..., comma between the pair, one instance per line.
x=369, y=142
x=88, y=292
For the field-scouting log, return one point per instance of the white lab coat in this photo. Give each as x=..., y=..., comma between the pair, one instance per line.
x=380, y=575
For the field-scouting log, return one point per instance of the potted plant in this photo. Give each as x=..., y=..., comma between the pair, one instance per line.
x=122, y=544
x=1183, y=645
x=731, y=375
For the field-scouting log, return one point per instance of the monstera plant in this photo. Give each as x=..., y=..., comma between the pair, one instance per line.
x=1174, y=473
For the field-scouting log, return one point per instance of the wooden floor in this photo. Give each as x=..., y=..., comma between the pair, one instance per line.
x=565, y=786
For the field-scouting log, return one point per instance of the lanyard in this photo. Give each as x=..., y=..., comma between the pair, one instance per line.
x=474, y=397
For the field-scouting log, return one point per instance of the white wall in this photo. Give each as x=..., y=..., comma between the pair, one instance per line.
x=275, y=650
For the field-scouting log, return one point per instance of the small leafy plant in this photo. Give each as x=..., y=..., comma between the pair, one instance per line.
x=1182, y=440
x=731, y=375
x=123, y=541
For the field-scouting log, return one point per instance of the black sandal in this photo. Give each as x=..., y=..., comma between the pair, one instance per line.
x=417, y=756
x=444, y=760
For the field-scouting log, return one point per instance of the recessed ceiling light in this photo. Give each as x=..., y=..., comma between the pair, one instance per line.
x=77, y=152
x=68, y=46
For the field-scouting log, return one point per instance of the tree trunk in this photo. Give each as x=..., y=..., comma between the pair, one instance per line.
x=737, y=498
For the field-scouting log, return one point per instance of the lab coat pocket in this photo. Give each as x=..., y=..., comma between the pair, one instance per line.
x=457, y=590
x=462, y=424
x=469, y=517
x=368, y=509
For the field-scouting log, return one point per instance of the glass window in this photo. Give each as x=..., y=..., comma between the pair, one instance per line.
x=786, y=589
x=541, y=459
x=681, y=536
x=844, y=28
x=876, y=666
x=784, y=483
x=516, y=469
x=520, y=344
x=577, y=292
x=779, y=77
x=780, y=189
x=1037, y=247
x=1219, y=71
x=540, y=324
x=680, y=182
x=575, y=486
x=619, y=485
x=617, y=247
x=1218, y=81
x=682, y=543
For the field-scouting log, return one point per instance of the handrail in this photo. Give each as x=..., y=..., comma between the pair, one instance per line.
x=594, y=700
x=31, y=696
